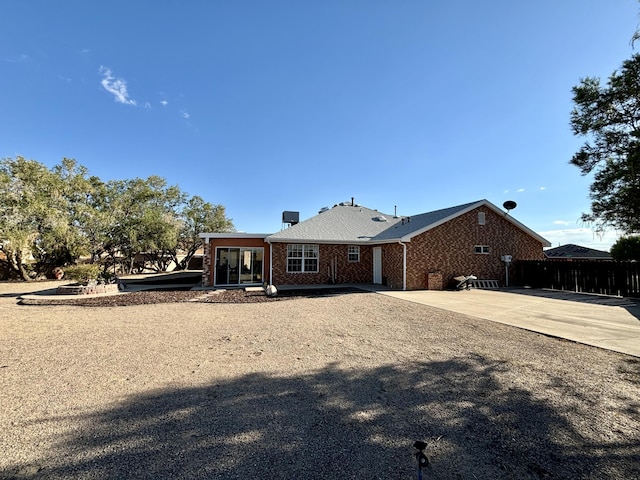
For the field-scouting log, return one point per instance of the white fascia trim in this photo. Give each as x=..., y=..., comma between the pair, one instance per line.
x=323, y=242
x=233, y=235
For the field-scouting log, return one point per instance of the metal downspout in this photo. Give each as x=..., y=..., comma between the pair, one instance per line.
x=270, y=262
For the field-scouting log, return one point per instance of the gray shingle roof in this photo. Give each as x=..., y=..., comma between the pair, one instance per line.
x=357, y=224
x=340, y=224
x=419, y=223
x=577, y=252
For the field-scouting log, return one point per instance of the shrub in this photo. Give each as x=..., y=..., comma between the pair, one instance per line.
x=83, y=273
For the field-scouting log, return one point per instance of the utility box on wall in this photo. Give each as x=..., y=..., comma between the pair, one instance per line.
x=434, y=280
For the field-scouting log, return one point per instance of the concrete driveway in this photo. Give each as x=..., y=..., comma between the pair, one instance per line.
x=606, y=322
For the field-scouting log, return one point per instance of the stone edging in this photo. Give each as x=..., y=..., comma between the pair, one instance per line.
x=86, y=289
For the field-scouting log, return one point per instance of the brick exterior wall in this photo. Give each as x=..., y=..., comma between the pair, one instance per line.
x=346, y=272
x=392, y=261
x=207, y=278
x=449, y=248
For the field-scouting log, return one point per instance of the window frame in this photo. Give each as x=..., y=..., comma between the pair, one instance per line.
x=353, y=253
x=304, y=255
x=482, y=249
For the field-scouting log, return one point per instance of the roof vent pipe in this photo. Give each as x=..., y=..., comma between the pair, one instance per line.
x=395, y=211
x=352, y=203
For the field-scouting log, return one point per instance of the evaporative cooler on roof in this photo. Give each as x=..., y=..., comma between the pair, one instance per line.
x=290, y=217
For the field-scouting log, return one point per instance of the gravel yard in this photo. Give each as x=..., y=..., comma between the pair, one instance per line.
x=314, y=387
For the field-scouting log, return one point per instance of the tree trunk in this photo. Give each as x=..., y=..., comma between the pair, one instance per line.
x=185, y=261
x=20, y=267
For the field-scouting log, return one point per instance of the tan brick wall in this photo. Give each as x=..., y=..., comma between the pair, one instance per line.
x=450, y=248
x=392, y=261
x=434, y=280
x=346, y=272
x=207, y=279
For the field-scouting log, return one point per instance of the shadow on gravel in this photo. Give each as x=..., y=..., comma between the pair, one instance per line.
x=337, y=424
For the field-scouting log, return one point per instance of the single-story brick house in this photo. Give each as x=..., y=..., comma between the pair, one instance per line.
x=353, y=244
x=572, y=252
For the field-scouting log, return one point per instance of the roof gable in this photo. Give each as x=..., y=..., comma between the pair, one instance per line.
x=442, y=216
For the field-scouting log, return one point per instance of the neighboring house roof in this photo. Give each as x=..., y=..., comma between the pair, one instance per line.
x=576, y=252
x=347, y=223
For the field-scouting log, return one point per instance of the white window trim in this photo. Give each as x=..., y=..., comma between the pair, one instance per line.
x=481, y=218
x=304, y=257
x=482, y=249
x=353, y=251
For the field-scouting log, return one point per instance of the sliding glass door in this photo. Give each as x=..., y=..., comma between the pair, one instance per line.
x=239, y=266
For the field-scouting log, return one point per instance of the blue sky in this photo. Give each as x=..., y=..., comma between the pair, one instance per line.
x=265, y=106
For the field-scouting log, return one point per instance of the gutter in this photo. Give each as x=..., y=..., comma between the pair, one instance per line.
x=270, y=260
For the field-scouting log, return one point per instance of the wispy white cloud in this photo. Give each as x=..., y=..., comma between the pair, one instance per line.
x=19, y=59
x=164, y=103
x=560, y=222
x=522, y=190
x=185, y=114
x=115, y=86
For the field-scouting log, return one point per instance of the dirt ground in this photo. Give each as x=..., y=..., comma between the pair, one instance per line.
x=318, y=386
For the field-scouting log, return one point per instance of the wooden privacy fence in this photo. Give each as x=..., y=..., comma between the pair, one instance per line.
x=602, y=277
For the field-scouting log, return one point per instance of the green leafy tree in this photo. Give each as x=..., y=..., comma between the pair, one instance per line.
x=198, y=217
x=62, y=241
x=95, y=218
x=145, y=225
x=36, y=229
x=157, y=225
x=51, y=217
x=609, y=116
x=15, y=234
x=626, y=248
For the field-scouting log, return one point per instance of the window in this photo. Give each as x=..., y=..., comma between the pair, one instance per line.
x=482, y=249
x=302, y=258
x=354, y=253
x=481, y=218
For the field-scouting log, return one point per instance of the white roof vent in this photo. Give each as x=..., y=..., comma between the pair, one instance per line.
x=380, y=218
